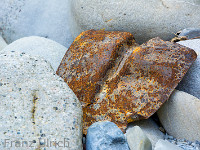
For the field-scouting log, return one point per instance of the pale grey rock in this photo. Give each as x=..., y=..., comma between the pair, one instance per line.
x=190, y=33
x=39, y=46
x=180, y=116
x=145, y=19
x=51, y=19
x=3, y=44
x=36, y=103
x=191, y=81
x=137, y=139
x=165, y=145
x=150, y=128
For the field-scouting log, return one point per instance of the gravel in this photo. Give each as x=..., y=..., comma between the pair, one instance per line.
x=183, y=143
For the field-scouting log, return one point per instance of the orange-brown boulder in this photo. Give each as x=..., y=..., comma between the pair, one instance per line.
x=119, y=81
x=88, y=59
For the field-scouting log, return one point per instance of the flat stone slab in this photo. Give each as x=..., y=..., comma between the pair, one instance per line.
x=135, y=84
x=36, y=105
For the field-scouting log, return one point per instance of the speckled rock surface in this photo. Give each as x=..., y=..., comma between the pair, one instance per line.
x=165, y=145
x=118, y=81
x=191, y=81
x=51, y=19
x=39, y=46
x=150, y=128
x=2, y=43
x=145, y=20
x=105, y=136
x=36, y=103
x=180, y=116
x=137, y=139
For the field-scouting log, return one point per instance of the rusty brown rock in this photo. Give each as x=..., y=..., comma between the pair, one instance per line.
x=135, y=81
x=85, y=64
x=142, y=83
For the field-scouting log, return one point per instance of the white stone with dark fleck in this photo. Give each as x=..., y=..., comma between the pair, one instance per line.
x=36, y=103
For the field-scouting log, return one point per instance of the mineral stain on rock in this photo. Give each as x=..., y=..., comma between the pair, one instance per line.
x=134, y=80
x=35, y=99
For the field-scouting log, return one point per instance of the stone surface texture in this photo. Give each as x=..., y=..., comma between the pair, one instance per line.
x=88, y=59
x=165, y=145
x=137, y=139
x=191, y=81
x=135, y=81
x=145, y=20
x=51, y=19
x=150, y=128
x=105, y=136
x=180, y=116
x=50, y=50
x=36, y=103
x=3, y=44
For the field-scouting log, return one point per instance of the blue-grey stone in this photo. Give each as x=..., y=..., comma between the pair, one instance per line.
x=190, y=32
x=105, y=136
x=191, y=81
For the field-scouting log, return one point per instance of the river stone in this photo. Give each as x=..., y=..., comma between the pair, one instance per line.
x=36, y=103
x=165, y=145
x=51, y=19
x=143, y=19
x=190, y=33
x=3, y=44
x=150, y=128
x=180, y=116
x=137, y=139
x=191, y=81
x=50, y=50
x=105, y=136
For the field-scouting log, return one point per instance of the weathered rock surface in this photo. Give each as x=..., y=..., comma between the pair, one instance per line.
x=2, y=43
x=150, y=128
x=50, y=50
x=190, y=33
x=88, y=59
x=165, y=145
x=134, y=83
x=180, y=116
x=51, y=19
x=191, y=81
x=36, y=103
x=105, y=136
x=145, y=20
x=137, y=140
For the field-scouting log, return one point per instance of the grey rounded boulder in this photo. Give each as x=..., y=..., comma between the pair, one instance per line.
x=36, y=105
x=50, y=50
x=180, y=116
x=51, y=19
x=144, y=19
